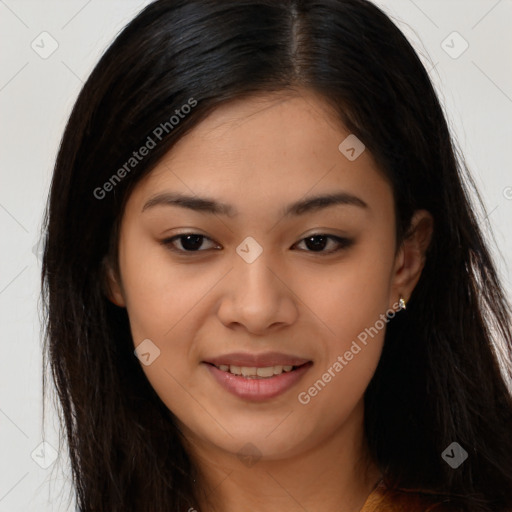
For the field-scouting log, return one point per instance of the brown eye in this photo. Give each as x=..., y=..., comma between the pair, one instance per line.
x=318, y=242
x=190, y=242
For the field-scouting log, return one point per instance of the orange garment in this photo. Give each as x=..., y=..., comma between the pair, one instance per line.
x=383, y=499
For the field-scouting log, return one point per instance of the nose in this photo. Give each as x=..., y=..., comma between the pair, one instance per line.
x=257, y=297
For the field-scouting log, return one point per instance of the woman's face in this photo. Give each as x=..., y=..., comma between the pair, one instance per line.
x=257, y=286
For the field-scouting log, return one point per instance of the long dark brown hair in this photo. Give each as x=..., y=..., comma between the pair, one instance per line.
x=438, y=380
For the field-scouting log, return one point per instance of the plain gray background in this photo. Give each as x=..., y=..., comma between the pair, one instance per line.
x=37, y=91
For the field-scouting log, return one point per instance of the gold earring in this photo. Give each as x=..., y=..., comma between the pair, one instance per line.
x=402, y=303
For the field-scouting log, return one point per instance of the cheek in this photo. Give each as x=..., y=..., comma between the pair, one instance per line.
x=351, y=302
x=161, y=301
x=167, y=303
x=351, y=296
x=158, y=292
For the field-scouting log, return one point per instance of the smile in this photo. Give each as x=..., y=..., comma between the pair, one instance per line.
x=257, y=384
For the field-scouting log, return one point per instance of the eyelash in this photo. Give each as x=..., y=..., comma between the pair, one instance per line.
x=344, y=243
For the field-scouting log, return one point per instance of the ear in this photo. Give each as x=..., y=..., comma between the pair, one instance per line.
x=112, y=286
x=411, y=256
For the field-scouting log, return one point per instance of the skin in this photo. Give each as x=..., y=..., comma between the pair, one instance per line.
x=260, y=155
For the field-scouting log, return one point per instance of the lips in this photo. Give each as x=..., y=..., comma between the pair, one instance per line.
x=257, y=377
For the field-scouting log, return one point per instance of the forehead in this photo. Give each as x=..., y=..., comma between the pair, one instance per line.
x=275, y=121
x=281, y=145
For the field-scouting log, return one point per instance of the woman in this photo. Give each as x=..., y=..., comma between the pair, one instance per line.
x=265, y=282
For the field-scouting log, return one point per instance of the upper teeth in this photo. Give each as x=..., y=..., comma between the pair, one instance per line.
x=246, y=371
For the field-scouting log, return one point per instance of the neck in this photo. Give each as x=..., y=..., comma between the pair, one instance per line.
x=338, y=473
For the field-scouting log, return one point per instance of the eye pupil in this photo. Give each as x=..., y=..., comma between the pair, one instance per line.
x=194, y=241
x=316, y=246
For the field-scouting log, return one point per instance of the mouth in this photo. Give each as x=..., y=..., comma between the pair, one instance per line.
x=261, y=382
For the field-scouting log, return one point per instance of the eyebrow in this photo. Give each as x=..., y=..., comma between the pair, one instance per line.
x=209, y=205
